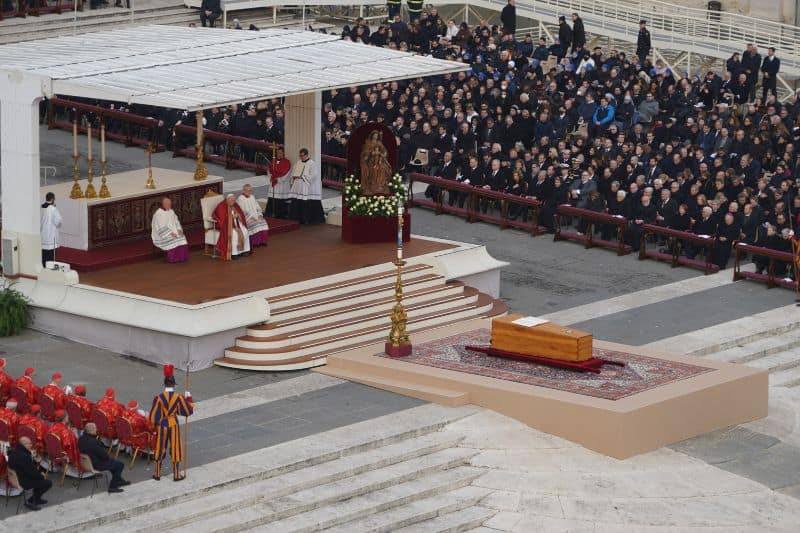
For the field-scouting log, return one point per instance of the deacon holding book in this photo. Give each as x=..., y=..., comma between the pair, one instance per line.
x=306, y=191
x=257, y=227
x=167, y=407
x=231, y=222
x=167, y=233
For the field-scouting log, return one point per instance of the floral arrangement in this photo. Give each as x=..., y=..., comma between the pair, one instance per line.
x=374, y=206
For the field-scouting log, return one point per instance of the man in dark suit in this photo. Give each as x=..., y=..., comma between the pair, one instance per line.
x=643, y=42
x=20, y=459
x=751, y=61
x=508, y=16
x=769, y=71
x=89, y=445
x=210, y=11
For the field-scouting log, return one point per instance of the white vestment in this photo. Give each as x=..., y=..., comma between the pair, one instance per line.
x=252, y=212
x=306, y=181
x=282, y=187
x=234, y=236
x=166, y=231
x=50, y=222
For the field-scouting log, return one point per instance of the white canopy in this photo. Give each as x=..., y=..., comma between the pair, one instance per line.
x=198, y=68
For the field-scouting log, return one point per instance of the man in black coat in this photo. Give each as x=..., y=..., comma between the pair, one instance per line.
x=643, y=44
x=769, y=70
x=751, y=61
x=89, y=445
x=210, y=11
x=564, y=36
x=578, y=32
x=508, y=16
x=21, y=461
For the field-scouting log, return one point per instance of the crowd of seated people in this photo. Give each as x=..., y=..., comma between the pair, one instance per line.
x=49, y=428
x=555, y=121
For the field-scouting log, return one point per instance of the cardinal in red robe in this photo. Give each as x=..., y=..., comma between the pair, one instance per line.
x=232, y=225
x=38, y=425
x=112, y=409
x=32, y=390
x=9, y=416
x=69, y=442
x=5, y=382
x=143, y=430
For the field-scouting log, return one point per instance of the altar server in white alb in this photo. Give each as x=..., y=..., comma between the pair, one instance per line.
x=167, y=233
x=50, y=222
x=257, y=227
x=306, y=191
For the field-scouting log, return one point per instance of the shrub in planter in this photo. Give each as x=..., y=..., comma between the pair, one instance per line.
x=14, y=312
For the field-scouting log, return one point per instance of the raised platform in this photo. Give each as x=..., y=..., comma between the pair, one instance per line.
x=655, y=400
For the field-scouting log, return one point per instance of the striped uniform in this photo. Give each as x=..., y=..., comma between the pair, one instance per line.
x=167, y=407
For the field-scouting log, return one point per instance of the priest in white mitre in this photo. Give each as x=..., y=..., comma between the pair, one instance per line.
x=257, y=227
x=50, y=221
x=167, y=233
x=306, y=191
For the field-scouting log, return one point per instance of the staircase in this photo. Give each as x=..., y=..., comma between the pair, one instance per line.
x=305, y=326
x=413, y=480
x=775, y=349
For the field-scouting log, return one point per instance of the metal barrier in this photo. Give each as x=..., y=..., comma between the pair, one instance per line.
x=773, y=256
x=477, y=201
x=675, y=242
x=333, y=171
x=236, y=153
x=587, y=237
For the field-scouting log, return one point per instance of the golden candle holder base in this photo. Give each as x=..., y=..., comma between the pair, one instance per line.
x=76, y=191
x=104, y=192
x=90, y=192
x=200, y=171
x=150, y=183
x=398, y=343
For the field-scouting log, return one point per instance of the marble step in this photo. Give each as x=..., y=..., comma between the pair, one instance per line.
x=235, y=499
x=319, y=357
x=376, y=317
x=344, y=285
x=785, y=378
x=758, y=348
x=380, y=501
x=784, y=360
x=451, y=512
x=773, y=325
x=258, y=349
x=356, y=295
x=348, y=309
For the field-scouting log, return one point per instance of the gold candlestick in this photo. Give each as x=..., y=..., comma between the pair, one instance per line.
x=76, y=191
x=150, y=184
x=104, y=192
x=90, y=192
x=398, y=343
x=200, y=171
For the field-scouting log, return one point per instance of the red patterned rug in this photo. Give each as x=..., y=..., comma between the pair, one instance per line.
x=639, y=374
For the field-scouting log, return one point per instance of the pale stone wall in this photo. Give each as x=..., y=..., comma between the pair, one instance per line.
x=776, y=10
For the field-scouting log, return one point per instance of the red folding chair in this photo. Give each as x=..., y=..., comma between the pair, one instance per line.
x=75, y=414
x=24, y=430
x=104, y=428
x=7, y=438
x=128, y=438
x=48, y=405
x=56, y=454
x=19, y=394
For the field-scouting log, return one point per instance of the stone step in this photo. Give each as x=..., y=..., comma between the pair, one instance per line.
x=232, y=500
x=451, y=512
x=379, y=501
x=785, y=378
x=374, y=317
x=352, y=309
x=758, y=348
x=354, y=296
x=729, y=331
x=778, y=361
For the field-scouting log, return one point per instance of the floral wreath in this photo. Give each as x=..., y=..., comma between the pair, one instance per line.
x=374, y=206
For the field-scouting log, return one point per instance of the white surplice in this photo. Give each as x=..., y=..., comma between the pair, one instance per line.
x=252, y=212
x=166, y=230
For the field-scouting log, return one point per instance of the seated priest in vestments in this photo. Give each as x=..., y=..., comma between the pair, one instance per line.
x=279, y=185
x=232, y=225
x=257, y=227
x=306, y=191
x=167, y=233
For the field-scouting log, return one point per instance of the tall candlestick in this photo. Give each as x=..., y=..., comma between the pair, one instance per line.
x=102, y=143
x=89, y=138
x=74, y=138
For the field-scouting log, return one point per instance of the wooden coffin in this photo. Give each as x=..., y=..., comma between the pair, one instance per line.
x=543, y=340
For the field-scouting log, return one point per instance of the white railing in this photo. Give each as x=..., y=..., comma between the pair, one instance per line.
x=713, y=33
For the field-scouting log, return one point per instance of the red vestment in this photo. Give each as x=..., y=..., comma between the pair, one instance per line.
x=227, y=227
x=5, y=386
x=112, y=409
x=12, y=421
x=68, y=441
x=143, y=430
x=86, y=406
x=59, y=396
x=38, y=425
x=32, y=391
x=279, y=168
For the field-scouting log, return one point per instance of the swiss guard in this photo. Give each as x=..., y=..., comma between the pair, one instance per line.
x=167, y=407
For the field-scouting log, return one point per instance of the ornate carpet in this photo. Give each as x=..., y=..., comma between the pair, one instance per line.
x=641, y=373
